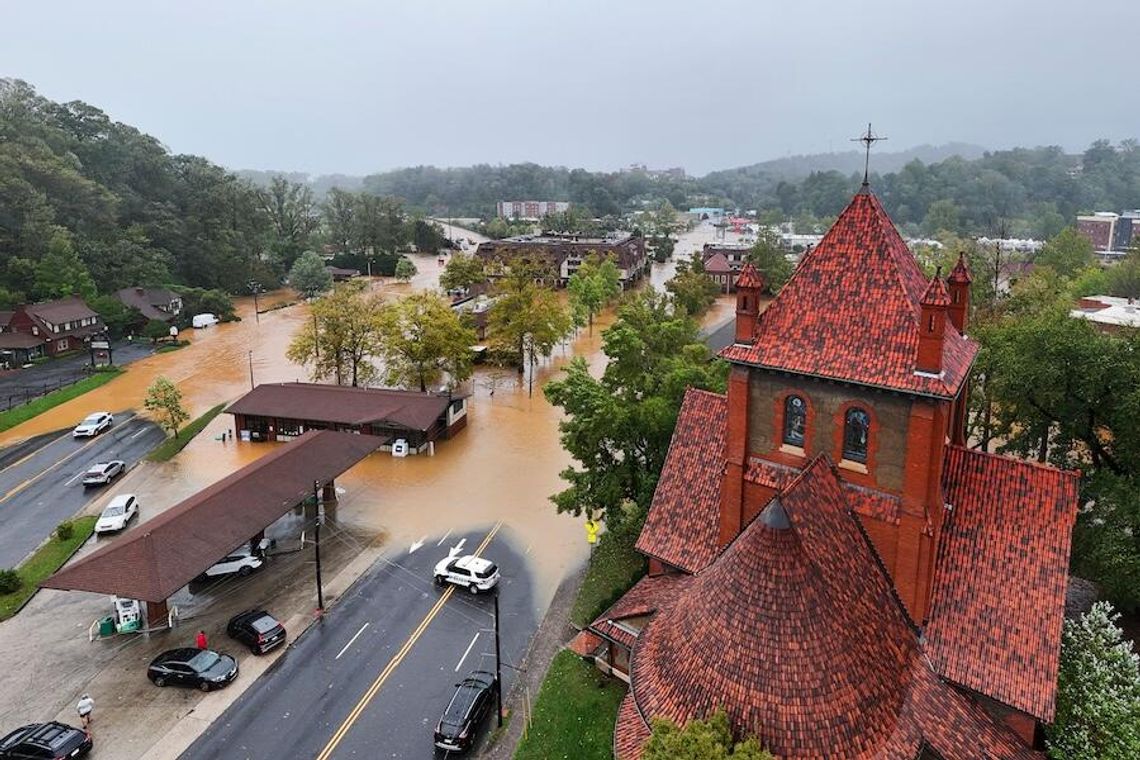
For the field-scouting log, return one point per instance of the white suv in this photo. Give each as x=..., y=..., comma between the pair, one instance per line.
x=242, y=561
x=122, y=509
x=93, y=424
x=473, y=573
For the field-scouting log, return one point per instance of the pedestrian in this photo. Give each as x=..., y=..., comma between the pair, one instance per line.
x=85, y=707
x=201, y=641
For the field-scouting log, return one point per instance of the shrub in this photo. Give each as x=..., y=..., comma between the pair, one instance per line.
x=9, y=581
x=65, y=530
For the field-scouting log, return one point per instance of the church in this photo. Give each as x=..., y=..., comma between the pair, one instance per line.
x=829, y=562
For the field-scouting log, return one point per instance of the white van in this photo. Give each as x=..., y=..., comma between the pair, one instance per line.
x=204, y=320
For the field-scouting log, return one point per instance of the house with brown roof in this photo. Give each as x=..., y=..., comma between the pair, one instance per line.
x=564, y=254
x=48, y=328
x=153, y=303
x=285, y=411
x=828, y=561
x=723, y=262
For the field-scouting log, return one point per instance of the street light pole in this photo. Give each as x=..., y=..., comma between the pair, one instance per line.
x=254, y=286
x=498, y=671
x=317, y=544
x=251, y=370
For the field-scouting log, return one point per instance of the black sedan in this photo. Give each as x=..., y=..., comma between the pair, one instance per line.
x=472, y=700
x=200, y=668
x=257, y=629
x=45, y=740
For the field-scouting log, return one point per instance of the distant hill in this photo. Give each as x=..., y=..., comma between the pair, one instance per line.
x=320, y=184
x=795, y=168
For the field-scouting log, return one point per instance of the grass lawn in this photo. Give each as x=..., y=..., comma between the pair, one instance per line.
x=47, y=559
x=172, y=446
x=574, y=714
x=614, y=567
x=19, y=414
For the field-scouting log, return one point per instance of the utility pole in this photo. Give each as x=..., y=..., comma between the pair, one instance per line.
x=317, y=544
x=317, y=337
x=254, y=285
x=251, y=370
x=498, y=670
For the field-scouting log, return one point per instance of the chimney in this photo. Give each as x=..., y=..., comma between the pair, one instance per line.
x=748, y=286
x=959, y=282
x=932, y=325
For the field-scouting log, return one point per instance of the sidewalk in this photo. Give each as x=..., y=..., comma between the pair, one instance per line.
x=552, y=634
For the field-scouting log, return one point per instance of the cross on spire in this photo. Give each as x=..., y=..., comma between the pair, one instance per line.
x=868, y=139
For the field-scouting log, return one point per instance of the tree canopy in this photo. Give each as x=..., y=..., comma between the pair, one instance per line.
x=422, y=341
x=593, y=287
x=462, y=271
x=309, y=276
x=165, y=400
x=341, y=338
x=700, y=740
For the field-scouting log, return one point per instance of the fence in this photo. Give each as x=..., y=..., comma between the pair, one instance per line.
x=20, y=395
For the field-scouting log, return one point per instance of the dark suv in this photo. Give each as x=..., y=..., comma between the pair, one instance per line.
x=257, y=629
x=45, y=740
x=471, y=702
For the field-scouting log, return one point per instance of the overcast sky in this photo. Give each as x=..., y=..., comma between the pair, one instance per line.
x=356, y=87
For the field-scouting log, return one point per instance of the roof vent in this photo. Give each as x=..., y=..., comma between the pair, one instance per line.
x=774, y=516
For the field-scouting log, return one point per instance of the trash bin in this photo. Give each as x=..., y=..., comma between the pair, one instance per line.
x=107, y=626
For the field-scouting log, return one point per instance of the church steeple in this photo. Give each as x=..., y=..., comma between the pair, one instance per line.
x=932, y=326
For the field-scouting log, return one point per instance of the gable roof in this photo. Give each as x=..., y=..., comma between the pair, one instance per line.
x=750, y=277
x=716, y=263
x=683, y=520
x=148, y=301
x=162, y=555
x=343, y=404
x=1009, y=520
x=850, y=312
x=62, y=310
x=796, y=632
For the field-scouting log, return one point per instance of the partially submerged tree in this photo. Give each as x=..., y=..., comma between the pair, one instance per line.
x=692, y=290
x=462, y=271
x=309, y=275
x=593, y=287
x=405, y=269
x=422, y=340
x=770, y=259
x=527, y=320
x=165, y=400
x=1098, y=691
x=341, y=337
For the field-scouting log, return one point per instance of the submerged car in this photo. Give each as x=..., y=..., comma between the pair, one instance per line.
x=93, y=424
x=203, y=669
x=46, y=740
x=257, y=629
x=122, y=509
x=473, y=573
x=470, y=703
x=102, y=473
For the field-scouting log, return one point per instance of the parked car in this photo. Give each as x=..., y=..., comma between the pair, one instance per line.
x=470, y=703
x=46, y=740
x=473, y=573
x=122, y=509
x=257, y=629
x=203, y=669
x=241, y=561
x=93, y=424
x=102, y=473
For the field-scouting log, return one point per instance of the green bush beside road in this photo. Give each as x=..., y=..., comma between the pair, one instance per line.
x=614, y=567
x=20, y=414
x=47, y=559
x=574, y=715
x=171, y=446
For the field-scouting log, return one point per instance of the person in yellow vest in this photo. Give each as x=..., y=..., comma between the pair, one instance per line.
x=592, y=527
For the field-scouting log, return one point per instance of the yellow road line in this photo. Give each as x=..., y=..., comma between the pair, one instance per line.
x=340, y=733
x=49, y=468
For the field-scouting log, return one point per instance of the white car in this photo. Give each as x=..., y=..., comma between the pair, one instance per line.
x=122, y=509
x=241, y=561
x=473, y=573
x=102, y=473
x=93, y=424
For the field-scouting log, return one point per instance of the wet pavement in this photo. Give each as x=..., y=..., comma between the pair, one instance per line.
x=43, y=488
x=502, y=467
x=19, y=386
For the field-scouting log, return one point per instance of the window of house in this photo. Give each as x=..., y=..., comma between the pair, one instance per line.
x=61, y=345
x=856, y=428
x=795, y=420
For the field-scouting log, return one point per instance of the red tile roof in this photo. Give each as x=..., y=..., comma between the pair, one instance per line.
x=936, y=293
x=681, y=528
x=1011, y=523
x=850, y=312
x=162, y=555
x=960, y=272
x=717, y=263
x=647, y=596
x=868, y=502
x=631, y=731
x=795, y=630
x=750, y=278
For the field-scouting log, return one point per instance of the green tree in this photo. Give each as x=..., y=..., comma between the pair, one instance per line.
x=526, y=320
x=618, y=426
x=309, y=276
x=943, y=215
x=1098, y=691
x=61, y=273
x=1124, y=278
x=119, y=318
x=292, y=213
x=769, y=257
x=423, y=340
x=462, y=271
x=201, y=301
x=1067, y=254
x=405, y=269
x=164, y=399
x=341, y=338
x=699, y=740
x=428, y=237
x=156, y=330
x=692, y=290
x=593, y=287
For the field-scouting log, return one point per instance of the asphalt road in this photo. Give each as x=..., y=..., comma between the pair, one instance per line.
x=21, y=385
x=372, y=678
x=43, y=488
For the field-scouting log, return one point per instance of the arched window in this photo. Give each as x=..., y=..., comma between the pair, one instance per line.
x=795, y=421
x=856, y=428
